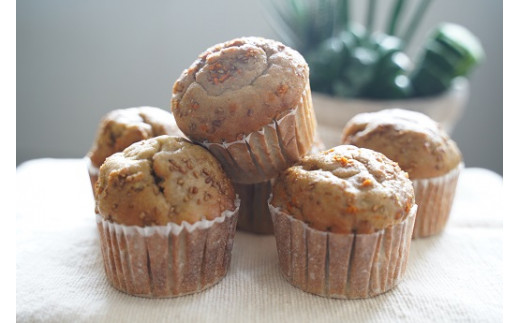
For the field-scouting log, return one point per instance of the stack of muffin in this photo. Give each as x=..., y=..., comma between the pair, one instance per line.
x=248, y=102
x=166, y=208
x=342, y=218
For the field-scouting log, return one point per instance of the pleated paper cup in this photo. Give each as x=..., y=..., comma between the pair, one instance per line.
x=254, y=215
x=261, y=155
x=342, y=265
x=170, y=260
x=93, y=173
x=434, y=197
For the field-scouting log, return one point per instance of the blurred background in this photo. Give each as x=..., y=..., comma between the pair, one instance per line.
x=77, y=60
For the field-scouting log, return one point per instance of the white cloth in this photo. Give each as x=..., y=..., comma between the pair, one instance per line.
x=456, y=276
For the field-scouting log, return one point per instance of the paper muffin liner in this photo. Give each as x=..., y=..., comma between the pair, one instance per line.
x=254, y=215
x=342, y=265
x=170, y=260
x=434, y=196
x=93, y=173
x=261, y=155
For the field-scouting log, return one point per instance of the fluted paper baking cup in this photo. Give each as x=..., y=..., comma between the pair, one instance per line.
x=261, y=155
x=93, y=173
x=342, y=265
x=170, y=260
x=254, y=215
x=434, y=197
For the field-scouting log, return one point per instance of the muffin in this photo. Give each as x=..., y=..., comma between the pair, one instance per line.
x=423, y=149
x=254, y=215
x=343, y=222
x=166, y=215
x=120, y=128
x=248, y=101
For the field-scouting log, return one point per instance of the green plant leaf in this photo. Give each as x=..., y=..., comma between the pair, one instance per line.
x=350, y=60
x=342, y=15
x=460, y=40
x=396, y=87
x=450, y=51
x=384, y=44
x=371, y=12
x=280, y=21
x=396, y=14
x=360, y=68
x=429, y=80
x=416, y=19
x=326, y=61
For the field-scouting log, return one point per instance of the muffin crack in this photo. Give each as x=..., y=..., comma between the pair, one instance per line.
x=223, y=79
x=161, y=180
x=227, y=90
x=235, y=67
x=158, y=180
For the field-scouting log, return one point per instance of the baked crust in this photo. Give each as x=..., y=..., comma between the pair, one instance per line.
x=417, y=143
x=122, y=127
x=161, y=180
x=237, y=87
x=345, y=190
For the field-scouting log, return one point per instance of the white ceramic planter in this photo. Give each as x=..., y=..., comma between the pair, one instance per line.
x=333, y=113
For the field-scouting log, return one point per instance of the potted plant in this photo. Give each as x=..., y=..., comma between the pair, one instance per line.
x=355, y=68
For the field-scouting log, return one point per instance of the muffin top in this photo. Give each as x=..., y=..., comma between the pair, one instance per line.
x=417, y=143
x=345, y=189
x=121, y=128
x=161, y=180
x=237, y=87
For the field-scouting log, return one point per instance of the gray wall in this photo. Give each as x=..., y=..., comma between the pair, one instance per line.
x=77, y=60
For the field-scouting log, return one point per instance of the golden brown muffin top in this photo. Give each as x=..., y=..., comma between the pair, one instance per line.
x=161, y=180
x=120, y=128
x=237, y=87
x=417, y=143
x=345, y=190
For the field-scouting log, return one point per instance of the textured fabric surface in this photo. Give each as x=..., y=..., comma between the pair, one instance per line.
x=456, y=276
